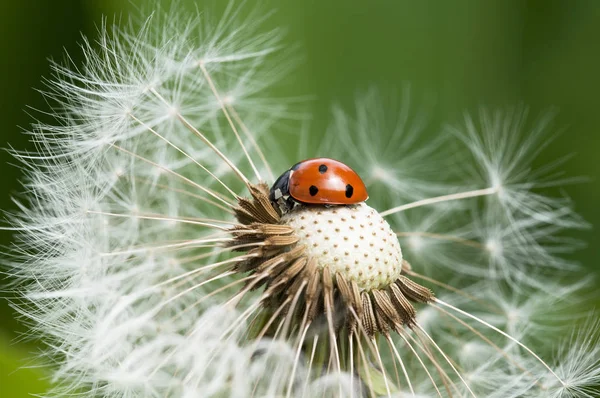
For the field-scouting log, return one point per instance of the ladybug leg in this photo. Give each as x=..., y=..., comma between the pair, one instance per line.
x=291, y=203
x=284, y=204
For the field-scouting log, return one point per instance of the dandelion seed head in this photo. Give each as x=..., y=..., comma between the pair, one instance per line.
x=153, y=263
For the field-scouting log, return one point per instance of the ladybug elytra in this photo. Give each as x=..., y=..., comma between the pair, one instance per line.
x=319, y=181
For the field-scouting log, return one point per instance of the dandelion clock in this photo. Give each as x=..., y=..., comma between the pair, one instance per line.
x=168, y=246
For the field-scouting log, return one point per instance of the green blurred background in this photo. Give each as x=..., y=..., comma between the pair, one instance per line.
x=545, y=54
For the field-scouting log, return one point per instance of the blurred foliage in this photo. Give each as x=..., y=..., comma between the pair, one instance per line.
x=16, y=379
x=456, y=55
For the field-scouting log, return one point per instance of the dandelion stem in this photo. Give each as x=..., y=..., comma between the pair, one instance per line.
x=440, y=199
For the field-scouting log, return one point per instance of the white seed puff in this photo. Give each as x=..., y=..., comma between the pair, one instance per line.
x=354, y=241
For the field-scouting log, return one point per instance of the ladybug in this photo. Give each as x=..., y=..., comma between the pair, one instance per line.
x=318, y=181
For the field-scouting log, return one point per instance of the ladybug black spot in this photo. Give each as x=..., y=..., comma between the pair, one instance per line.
x=313, y=190
x=349, y=191
x=322, y=169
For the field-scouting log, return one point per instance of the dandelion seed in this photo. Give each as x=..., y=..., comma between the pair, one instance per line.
x=154, y=262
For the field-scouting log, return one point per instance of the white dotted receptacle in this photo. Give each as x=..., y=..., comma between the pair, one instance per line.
x=354, y=241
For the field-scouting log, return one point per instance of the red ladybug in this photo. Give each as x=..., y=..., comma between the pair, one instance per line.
x=319, y=181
